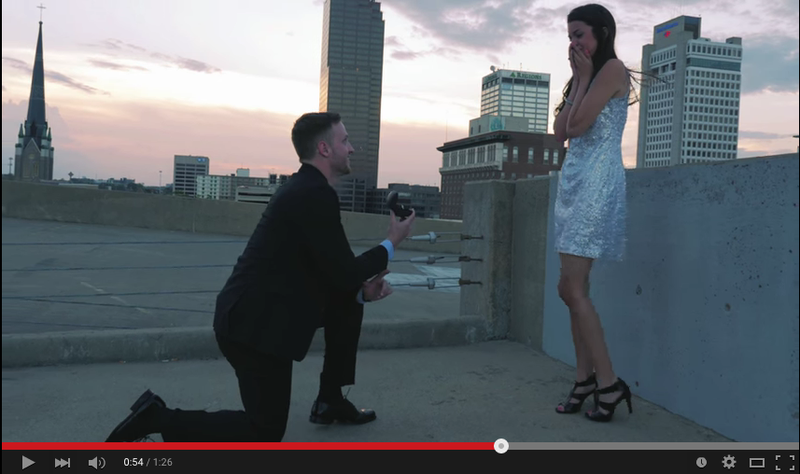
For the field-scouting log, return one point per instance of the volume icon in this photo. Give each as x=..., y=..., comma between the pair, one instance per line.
x=97, y=463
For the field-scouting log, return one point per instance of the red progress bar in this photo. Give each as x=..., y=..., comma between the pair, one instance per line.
x=248, y=446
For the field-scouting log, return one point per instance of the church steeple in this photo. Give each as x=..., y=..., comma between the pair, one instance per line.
x=34, y=151
x=36, y=124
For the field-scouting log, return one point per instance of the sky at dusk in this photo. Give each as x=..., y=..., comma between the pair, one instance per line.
x=129, y=84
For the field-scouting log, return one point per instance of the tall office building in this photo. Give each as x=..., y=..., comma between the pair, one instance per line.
x=350, y=84
x=691, y=113
x=186, y=169
x=507, y=93
x=33, y=152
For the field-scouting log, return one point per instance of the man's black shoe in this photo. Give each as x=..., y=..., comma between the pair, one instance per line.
x=140, y=422
x=342, y=410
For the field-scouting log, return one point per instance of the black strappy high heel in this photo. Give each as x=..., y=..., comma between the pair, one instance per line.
x=568, y=406
x=596, y=415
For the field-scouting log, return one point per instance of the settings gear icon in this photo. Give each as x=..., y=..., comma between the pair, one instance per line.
x=728, y=462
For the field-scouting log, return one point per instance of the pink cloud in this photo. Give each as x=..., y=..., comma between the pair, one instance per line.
x=145, y=137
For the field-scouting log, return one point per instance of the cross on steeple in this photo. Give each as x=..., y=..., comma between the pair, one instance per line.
x=41, y=8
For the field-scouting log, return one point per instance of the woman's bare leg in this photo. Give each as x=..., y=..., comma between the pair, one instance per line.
x=590, y=341
x=583, y=356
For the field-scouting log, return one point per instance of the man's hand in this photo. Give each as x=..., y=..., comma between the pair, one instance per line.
x=377, y=288
x=399, y=230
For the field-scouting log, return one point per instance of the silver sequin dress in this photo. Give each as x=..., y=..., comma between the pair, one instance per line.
x=590, y=208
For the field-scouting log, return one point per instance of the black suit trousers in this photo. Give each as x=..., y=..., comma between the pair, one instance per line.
x=265, y=386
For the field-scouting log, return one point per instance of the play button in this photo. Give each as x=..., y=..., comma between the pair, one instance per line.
x=26, y=463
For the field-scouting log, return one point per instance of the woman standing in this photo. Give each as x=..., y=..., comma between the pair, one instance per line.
x=590, y=205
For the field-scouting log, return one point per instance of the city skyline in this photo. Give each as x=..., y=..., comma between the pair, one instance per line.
x=124, y=98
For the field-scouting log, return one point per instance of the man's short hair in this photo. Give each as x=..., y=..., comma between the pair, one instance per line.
x=309, y=129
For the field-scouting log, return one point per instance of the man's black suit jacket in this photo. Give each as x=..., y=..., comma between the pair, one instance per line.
x=296, y=264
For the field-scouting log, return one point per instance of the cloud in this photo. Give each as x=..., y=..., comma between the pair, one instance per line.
x=760, y=135
x=402, y=53
x=673, y=7
x=743, y=153
x=624, y=4
x=137, y=48
x=115, y=66
x=107, y=44
x=476, y=25
x=52, y=75
x=69, y=82
x=445, y=52
x=183, y=63
x=406, y=55
x=84, y=146
x=194, y=65
x=17, y=64
x=392, y=41
x=115, y=44
x=787, y=9
x=409, y=155
x=149, y=133
x=770, y=63
x=551, y=21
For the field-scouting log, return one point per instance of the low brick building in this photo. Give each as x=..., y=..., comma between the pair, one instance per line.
x=495, y=155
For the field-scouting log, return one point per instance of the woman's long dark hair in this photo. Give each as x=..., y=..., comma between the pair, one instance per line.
x=604, y=29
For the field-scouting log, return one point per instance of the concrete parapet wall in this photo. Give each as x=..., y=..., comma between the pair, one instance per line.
x=156, y=344
x=701, y=317
x=531, y=203
x=26, y=200
x=491, y=206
